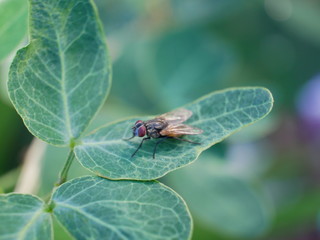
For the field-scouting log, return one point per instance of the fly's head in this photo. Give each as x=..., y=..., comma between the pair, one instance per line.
x=139, y=129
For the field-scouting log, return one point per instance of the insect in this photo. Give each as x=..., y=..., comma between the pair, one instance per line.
x=167, y=125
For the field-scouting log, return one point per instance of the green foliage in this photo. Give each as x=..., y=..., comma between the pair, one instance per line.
x=187, y=69
x=300, y=212
x=169, y=53
x=170, y=61
x=216, y=198
x=8, y=118
x=219, y=114
x=13, y=25
x=93, y=207
x=59, y=81
x=23, y=217
x=189, y=11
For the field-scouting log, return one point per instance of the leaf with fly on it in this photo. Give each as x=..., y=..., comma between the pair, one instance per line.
x=97, y=208
x=218, y=114
x=22, y=216
x=60, y=80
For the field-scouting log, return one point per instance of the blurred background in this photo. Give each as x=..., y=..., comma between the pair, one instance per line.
x=261, y=183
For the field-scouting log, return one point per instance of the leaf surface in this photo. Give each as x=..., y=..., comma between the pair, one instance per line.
x=218, y=114
x=97, y=208
x=22, y=217
x=59, y=81
x=13, y=24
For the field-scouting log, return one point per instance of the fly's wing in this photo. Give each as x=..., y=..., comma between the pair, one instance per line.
x=176, y=116
x=180, y=129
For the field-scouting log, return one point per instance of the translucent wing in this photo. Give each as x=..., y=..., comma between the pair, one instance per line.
x=176, y=116
x=180, y=129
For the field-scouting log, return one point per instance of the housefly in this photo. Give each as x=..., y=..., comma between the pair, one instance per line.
x=167, y=125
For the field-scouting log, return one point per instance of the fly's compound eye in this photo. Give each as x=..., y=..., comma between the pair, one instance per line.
x=141, y=131
x=138, y=124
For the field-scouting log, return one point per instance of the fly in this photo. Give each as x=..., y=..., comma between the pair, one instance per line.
x=167, y=125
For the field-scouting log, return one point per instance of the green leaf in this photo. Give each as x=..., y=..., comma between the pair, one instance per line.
x=13, y=24
x=54, y=157
x=218, y=114
x=22, y=216
x=217, y=198
x=59, y=81
x=97, y=208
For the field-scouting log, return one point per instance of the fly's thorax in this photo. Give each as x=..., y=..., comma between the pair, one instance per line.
x=157, y=123
x=155, y=126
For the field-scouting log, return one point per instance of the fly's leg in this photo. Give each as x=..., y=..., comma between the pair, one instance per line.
x=155, y=147
x=126, y=139
x=185, y=140
x=146, y=138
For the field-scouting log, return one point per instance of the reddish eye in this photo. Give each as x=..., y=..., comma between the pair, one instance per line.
x=138, y=123
x=141, y=131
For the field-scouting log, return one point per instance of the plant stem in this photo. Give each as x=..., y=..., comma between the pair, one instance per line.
x=62, y=179
x=64, y=173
